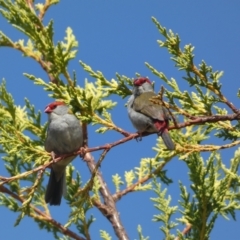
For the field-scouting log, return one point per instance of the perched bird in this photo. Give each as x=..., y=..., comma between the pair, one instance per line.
x=147, y=116
x=64, y=135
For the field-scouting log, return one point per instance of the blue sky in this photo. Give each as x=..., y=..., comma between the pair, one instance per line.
x=119, y=36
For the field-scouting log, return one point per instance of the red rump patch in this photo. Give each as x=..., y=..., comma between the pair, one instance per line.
x=161, y=126
x=140, y=81
x=50, y=107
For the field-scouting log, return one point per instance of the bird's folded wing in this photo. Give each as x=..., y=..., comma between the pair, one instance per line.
x=143, y=105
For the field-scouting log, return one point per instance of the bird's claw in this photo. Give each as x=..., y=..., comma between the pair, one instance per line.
x=82, y=152
x=139, y=137
x=53, y=155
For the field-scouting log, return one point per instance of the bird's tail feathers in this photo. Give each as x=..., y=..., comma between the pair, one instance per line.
x=55, y=189
x=167, y=139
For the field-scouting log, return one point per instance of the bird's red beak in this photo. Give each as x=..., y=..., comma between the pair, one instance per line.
x=48, y=110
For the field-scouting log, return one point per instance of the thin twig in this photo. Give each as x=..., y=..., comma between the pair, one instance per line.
x=89, y=185
x=37, y=169
x=44, y=10
x=185, y=230
x=42, y=216
x=208, y=119
x=132, y=187
x=30, y=4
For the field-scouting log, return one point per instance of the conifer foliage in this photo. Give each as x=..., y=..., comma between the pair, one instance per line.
x=204, y=112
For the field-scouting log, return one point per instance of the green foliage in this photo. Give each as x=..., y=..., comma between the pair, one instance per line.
x=213, y=188
x=117, y=182
x=148, y=167
x=15, y=122
x=104, y=235
x=213, y=193
x=119, y=86
x=88, y=100
x=162, y=204
x=141, y=237
x=19, y=150
x=80, y=204
x=206, y=98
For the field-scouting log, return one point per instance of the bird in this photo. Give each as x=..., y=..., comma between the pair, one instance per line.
x=147, y=116
x=64, y=136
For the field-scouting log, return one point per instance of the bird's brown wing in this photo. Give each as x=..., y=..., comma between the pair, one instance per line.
x=143, y=105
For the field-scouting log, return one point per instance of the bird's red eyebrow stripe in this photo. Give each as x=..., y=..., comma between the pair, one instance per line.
x=140, y=81
x=51, y=106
